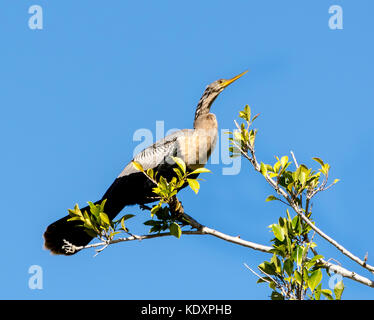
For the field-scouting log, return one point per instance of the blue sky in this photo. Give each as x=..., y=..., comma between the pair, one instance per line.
x=74, y=93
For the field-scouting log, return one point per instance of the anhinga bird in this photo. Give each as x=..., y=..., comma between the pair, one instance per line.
x=131, y=187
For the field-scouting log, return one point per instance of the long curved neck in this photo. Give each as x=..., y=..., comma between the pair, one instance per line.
x=204, y=139
x=203, y=107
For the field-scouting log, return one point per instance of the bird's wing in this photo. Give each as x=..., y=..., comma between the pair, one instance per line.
x=156, y=154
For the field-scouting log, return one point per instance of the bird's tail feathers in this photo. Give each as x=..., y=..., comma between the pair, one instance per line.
x=61, y=232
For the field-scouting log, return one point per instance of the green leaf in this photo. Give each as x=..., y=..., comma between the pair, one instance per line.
x=237, y=135
x=163, y=183
x=338, y=290
x=302, y=178
x=151, y=223
x=128, y=216
x=180, y=163
x=75, y=212
x=271, y=198
x=316, y=257
x=178, y=172
x=137, y=166
x=263, y=279
x=277, y=264
x=305, y=276
x=156, y=228
x=290, y=246
x=75, y=219
x=278, y=232
x=284, y=161
x=263, y=169
x=279, y=250
x=175, y=230
x=95, y=210
x=276, y=296
x=297, y=276
x=289, y=187
x=246, y=113
x=155, y=209
x=150, y=173
x=268, y=268
x=288, y=215
x=312, y=262
x=296, y=224
x=104, y=218
x=314, y=279
x=87, y=221
x=252, y=137
x=123, y=224
x=87, y=224
x=194, y=185
x=325, y=169
x=317, y=292
x=276, y=166
x=327, y=293
x=298, y=255
x=319, y=161
x=102, y=204
x=255, y=117
x=200, y=170
x=288, y=267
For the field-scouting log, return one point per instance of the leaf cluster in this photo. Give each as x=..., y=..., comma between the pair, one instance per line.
x=243, y=137
x=291, y=273
x=96, y=222
x=162, y=217
x=302, y=180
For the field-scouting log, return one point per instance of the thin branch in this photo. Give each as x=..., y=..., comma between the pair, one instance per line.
x=236, y=240
x=299, y=211
x=285, y=293
x=294, y=159
x=257, y=275
x=255, y=246
x=337, y=245
x=346, y=273
x=176, y=208
x=203, y=231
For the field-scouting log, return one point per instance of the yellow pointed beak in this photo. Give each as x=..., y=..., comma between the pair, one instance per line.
x=228, y=82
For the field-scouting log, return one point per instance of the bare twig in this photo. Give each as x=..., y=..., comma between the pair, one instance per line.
x=286, y=294
x=294, y=159
x=257, y=275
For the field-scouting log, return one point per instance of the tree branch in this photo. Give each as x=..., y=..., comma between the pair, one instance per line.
x=300, y=212
x=203, y=230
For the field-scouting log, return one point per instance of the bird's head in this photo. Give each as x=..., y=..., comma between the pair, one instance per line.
x=218, y=85
x=211, y=93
